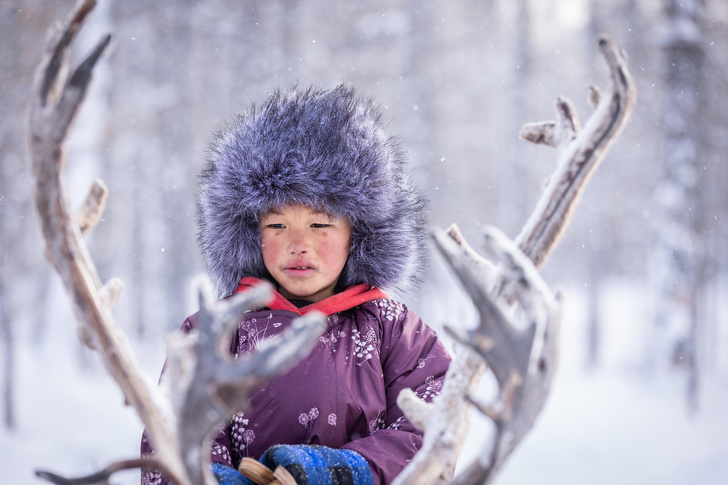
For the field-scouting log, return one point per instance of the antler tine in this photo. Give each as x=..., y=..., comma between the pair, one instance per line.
x=209, y=386
x=578, y=160
x=445, y=421
x=523, y=357
x=52, y=71
x=49, y=119
x=494, y=337
x=92, y=208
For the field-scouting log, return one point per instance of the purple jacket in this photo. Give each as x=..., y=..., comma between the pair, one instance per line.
x=343, y=394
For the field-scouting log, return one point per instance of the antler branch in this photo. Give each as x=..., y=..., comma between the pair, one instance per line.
x=206, y=386
x=54, y=105
x=521, y=350
x=579, y=154
x=519, y=316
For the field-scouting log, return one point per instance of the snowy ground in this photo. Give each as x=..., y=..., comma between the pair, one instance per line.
x=609, y=425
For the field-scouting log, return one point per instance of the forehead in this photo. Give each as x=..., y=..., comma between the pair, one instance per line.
x=297, y=210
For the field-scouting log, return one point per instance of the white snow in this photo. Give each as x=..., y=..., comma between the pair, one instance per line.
x=610, y=425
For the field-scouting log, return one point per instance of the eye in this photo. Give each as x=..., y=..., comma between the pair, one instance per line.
x=319, y=225
x=276, y=226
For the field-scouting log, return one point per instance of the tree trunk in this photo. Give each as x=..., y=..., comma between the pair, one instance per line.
x=677, y=255
x=6, y=331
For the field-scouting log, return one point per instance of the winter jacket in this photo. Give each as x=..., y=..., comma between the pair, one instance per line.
x=343, y=394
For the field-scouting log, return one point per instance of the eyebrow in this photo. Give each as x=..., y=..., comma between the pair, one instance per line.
x=275, y=212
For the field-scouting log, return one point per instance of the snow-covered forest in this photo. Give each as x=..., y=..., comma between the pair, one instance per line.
x=642, y=388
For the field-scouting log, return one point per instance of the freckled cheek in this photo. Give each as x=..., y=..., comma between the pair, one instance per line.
x=334, y=251
x=270, y=249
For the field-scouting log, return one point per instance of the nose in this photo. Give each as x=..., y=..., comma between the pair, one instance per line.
x=299, y=242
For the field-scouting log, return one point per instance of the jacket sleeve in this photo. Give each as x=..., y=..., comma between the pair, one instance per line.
x=412, y=358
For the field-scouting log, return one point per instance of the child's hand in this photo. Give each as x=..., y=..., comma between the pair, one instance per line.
x=228, y=476
x=316, y=465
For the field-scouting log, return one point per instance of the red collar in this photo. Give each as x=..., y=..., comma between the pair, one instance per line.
x=349, y=298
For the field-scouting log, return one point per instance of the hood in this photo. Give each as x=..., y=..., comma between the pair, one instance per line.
x=321, y=148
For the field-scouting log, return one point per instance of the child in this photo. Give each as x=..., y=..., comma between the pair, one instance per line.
x=310, y=194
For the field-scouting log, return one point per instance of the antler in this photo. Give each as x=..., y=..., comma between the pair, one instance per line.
x=203, y=386
x=580, y=151
x=518, y=315
x=519, y=344
x=207, y=386
x=56, y=100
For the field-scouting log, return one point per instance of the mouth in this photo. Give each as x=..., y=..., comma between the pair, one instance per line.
x=299, y=270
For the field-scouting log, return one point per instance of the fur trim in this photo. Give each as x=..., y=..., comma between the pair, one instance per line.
x=324, y=149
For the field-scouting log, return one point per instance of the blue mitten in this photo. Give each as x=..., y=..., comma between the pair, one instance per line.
x=319, y=465
x=228, y=476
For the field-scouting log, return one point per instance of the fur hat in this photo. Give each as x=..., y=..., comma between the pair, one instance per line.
x=324, y=149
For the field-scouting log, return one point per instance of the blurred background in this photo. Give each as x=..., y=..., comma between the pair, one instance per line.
x=641, y=393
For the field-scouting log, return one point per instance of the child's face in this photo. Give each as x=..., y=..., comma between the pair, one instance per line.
x=304, y=250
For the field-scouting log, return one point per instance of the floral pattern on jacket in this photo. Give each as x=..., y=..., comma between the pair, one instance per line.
x=343, y=394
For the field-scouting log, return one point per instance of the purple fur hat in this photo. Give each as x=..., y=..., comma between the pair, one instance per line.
x=323, y=149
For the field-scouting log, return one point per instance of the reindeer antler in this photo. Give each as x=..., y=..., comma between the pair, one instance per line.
x=519, y=344
x=208, y=388
x=580, y=151
x=56, y=101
